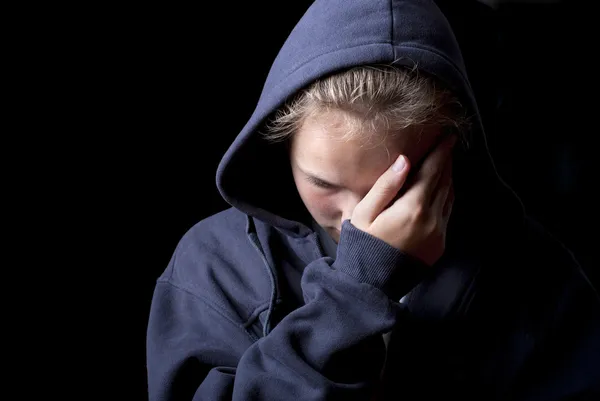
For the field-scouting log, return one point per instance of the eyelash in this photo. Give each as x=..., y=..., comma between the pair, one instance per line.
x=320, y=184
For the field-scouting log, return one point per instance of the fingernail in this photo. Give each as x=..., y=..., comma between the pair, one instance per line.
x=399, y=165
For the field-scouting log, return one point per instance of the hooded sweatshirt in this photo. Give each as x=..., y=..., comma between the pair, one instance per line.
x=253, y=306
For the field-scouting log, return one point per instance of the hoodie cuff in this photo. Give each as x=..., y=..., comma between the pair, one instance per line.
x=373, y=261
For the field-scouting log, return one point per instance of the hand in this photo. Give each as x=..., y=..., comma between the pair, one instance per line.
x=416, y=222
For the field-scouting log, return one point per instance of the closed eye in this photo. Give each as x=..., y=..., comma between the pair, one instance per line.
x=320, y=183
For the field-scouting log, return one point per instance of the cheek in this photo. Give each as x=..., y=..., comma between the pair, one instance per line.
x=319, y=203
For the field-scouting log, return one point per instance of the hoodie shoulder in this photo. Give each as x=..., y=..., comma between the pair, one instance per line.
x=216, y=263
x=556, y=279
x=548, y=250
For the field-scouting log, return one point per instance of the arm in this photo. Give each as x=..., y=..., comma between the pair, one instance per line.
x=330, y=348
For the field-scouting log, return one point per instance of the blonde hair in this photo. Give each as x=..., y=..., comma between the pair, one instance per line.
x=376, y=100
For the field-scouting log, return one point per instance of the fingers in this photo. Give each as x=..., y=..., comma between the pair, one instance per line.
x=444, y=191
x=382, y=193
x=433, y=169
x=447, y=211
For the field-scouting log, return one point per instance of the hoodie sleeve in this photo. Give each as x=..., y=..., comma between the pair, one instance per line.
x=330, y=348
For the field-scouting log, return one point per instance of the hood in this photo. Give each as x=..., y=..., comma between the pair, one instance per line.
x=255, y=176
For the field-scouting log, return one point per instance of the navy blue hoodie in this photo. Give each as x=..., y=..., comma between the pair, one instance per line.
x=252, y=307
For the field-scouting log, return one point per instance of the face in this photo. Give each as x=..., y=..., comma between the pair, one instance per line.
x=332, y=175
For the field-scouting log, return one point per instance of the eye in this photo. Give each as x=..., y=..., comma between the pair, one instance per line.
x=320, y=183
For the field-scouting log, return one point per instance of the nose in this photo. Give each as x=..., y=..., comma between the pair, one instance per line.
x=348, y=208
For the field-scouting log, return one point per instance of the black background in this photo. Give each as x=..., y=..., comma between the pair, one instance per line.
x=168, y=87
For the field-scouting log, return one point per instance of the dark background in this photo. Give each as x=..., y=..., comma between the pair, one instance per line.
x=172, y=85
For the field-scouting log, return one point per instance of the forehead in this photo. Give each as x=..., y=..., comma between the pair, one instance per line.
x=319, y=144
